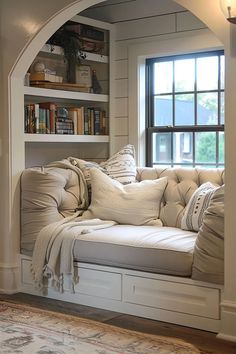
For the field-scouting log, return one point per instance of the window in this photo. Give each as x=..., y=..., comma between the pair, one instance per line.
x=185, y=110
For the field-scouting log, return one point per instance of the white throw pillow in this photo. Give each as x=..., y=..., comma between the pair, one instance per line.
x=198, y=203
x=121, y=166
x=134, y=203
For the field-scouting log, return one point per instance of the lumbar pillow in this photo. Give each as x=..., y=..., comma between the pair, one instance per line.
x=121, y=166
x=193, y=214
x=134, y=203
x=208, y=260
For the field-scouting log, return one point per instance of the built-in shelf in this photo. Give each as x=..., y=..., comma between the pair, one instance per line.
x=56, y=50
x=58, y=138
x=49, y=94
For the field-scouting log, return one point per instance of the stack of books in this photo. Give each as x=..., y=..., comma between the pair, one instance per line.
x=92, y=39
x=47, y=118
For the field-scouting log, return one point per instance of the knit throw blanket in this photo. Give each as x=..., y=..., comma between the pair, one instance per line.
x=52, y=258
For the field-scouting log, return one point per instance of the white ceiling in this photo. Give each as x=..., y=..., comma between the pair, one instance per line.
x=123, y=10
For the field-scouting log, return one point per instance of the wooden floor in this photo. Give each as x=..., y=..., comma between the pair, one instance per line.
x=201, y=339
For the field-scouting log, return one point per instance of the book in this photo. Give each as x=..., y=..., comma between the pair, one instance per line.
x=72, y=114
x=91, y=33
x=51, y=115
x=80, y=120
x=42, y=76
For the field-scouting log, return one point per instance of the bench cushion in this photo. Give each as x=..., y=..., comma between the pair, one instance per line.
x=165, y=250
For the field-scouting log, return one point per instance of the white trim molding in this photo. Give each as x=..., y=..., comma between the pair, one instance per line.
x=178, y=43
x=9, y=278
x=228, y=321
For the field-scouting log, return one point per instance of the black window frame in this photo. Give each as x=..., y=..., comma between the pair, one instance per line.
x=150, y=95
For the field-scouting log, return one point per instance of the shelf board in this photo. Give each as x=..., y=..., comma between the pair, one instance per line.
x=60, y=138
x=49, y=94
x=57, y=50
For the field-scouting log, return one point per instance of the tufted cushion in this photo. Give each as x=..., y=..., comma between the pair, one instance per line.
x=48, y=195
x=182, y=182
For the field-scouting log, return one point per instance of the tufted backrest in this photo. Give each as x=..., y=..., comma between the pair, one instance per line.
x=47, y=195
x=182, y=182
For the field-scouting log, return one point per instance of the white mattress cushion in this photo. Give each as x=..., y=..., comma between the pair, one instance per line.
x=166, y=250
x=135, y=203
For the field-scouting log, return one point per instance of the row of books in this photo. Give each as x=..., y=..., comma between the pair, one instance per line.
x=48, y=118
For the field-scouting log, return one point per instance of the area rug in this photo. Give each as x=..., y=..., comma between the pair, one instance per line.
x=29, y=330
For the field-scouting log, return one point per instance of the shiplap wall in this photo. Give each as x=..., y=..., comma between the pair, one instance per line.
x=138, y=31
x=137, y=21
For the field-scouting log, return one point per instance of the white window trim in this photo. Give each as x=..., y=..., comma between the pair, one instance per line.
x=179, y=43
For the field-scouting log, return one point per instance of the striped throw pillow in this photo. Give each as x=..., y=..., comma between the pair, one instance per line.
x=198, y=203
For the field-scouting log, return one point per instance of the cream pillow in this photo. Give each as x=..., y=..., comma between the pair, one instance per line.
x=198, y=203
x=208, y=256
x=135, y=203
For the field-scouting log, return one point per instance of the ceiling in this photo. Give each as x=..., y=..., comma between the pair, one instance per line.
x=124, y=10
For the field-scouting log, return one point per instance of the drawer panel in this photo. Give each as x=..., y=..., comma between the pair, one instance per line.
x=184, y=298
x=91, y=281
x=99, y=283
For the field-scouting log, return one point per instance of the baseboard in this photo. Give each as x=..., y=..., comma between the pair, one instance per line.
x=228, y=321
x=9, y=278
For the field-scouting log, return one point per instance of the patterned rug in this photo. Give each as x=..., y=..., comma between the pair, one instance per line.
x=28, y=330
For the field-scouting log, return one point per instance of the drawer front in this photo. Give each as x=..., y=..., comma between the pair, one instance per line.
x=91, y=281
x=26, y=275
x=99, y=283
x=184, y=298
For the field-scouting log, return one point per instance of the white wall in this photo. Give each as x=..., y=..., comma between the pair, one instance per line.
x=133, y=32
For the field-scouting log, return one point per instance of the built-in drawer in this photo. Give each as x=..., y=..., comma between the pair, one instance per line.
x=99, y=283
x=178, y=297
x=91, y=281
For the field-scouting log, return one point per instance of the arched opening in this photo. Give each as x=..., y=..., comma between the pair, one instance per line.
x=221, y=28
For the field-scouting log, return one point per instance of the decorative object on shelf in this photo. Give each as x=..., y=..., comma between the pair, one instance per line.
x=42, y=74
x=96, y=87
x=228, y=7
x=39, y=67
x=84, y=75
x=70, y=41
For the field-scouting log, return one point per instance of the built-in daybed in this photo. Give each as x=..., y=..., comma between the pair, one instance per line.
x=162, y=258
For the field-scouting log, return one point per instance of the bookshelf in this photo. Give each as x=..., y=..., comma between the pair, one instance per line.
x=37, y=145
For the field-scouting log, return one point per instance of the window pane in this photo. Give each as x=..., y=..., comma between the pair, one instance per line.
x=222, y=72
x=184, y=75
x=184, y=109
x=221, y=151
x=163, y=110
x=207, y=108
x=163, y=77
x=222, y=108
x=207, y=73
x=161, y=147
x=205, y=147
x=183, y=147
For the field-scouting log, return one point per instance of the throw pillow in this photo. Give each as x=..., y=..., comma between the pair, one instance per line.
x=193, y=214
x=134, y=203
x=208, y=260
x=120, y=166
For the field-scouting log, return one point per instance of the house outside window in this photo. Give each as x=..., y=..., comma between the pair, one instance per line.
x=185, y=110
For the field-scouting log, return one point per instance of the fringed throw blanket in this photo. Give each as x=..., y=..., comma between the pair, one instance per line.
x=53, y=252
